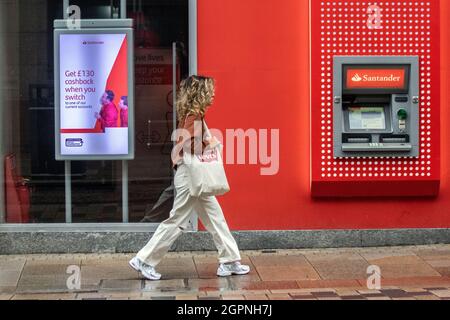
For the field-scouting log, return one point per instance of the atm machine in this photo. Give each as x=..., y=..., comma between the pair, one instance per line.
x=375, y=99
x=376, y=106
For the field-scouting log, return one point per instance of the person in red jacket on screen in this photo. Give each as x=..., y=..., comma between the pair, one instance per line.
x=123, y=104
x=108, y=114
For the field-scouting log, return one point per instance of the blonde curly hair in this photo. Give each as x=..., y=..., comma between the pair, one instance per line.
x=195, y=94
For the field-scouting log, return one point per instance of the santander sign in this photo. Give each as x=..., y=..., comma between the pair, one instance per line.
x=375, y=78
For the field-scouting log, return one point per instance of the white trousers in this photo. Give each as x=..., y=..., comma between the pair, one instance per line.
x=210, y=214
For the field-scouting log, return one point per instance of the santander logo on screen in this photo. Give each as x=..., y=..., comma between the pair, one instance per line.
x=356, y=78
x=93, y=42
x=375, y=78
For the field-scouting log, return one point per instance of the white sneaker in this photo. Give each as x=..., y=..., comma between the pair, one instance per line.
x=135, y=263
x=149, y=272
x=228, y=269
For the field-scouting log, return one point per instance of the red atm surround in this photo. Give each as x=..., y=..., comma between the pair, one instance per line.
x=346, y=28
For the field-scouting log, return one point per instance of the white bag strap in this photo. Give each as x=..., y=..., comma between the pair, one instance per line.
x=208, y=133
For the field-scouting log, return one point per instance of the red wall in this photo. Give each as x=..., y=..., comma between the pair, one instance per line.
x=258, y=52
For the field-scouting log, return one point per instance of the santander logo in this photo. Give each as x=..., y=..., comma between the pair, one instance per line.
x=367, y=78
x=356, y=78
x=375, y=78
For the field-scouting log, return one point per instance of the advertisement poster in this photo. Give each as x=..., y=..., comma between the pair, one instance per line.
x=94, y=90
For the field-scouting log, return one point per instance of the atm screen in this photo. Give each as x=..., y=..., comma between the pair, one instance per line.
x=367, y=118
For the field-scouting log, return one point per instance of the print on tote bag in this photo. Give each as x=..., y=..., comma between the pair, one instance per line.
x=208, y=156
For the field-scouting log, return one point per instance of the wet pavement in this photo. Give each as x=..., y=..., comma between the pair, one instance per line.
x=412, y=272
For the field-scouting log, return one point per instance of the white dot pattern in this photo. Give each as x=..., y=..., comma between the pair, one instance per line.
x=405, y=30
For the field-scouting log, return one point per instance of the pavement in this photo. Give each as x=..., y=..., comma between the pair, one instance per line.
x=411, y=273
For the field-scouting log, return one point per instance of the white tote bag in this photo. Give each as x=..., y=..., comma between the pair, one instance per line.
x=206, y=173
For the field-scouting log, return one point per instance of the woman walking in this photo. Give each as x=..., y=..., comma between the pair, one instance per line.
x=195, y=96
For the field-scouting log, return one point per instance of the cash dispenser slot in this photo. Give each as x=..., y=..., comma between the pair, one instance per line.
x=394, y=138
x=358, y=138
x=382, y=147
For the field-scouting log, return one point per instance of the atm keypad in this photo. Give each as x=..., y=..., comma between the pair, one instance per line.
x=402, y=115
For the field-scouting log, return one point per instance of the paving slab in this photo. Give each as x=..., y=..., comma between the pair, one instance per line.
x=11, y=264
x=233, y=297
x=7, y=290
x=339, y=266
x=46, y=296
x=292, y=272
x=433, y=253
x=177, y=268
x=415, y=290
x=396, y=293
x=121, y=285
x=4, y=296
x=215, y=293
x=256, y=297
x=237, y=284
x=338, y=283
x=43, y=283
x=92, y=275
x=9, y=278
x=347, y=292
x=279, y=296
x=187, y=297
x=151, y=294
x=441, y=293
x=303, y=297
x=124, y=296
x=439, y=263
x=407, y=270
x=208, y=284
x=290, y=291
x=41, y=274
x=400, y=265
x=431, y=297
x=271, y=260
x=443, y=271
x=185, y=262
x=165, y=285
x=102, y=259
x=174, y=272
x=37, y=269
x=92, y=296
x=247, y=292
x=415, y=281
x=58, y=260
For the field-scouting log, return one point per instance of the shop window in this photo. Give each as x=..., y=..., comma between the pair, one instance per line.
x=32, y=182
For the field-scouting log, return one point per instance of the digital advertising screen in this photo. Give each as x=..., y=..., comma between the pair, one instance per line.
x=94, y=93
